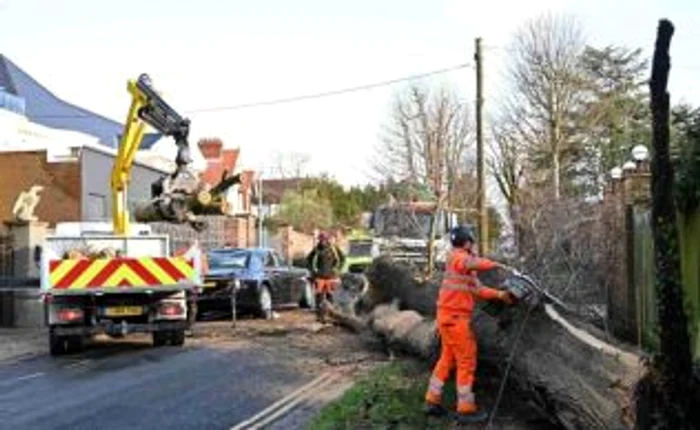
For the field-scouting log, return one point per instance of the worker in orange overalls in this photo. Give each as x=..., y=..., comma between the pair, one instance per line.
x=459, y=291
x=325, y=262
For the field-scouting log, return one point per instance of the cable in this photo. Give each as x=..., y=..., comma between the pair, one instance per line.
x=304, y=96
x=502, y=387
x=332, y=93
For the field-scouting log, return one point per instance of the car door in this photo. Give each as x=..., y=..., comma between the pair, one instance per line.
x=290, y=282
x=280, y=294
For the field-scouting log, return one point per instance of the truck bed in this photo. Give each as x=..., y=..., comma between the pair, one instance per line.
x=120, y=274
x=143, y=264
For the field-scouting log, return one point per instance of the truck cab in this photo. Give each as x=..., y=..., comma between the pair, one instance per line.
x=402, y=230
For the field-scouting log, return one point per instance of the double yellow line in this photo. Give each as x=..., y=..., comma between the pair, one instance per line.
x=276, y=410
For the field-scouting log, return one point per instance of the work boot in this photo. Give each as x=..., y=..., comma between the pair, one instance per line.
x=435, y=410
x=472, y=417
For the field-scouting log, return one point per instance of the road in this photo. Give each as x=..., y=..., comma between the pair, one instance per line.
x=129, y=384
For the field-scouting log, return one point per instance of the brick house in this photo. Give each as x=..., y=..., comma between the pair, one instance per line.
x=76, y=185
x=241, y=229
x=272, y=192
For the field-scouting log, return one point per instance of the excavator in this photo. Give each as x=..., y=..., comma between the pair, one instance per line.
x=178, y=197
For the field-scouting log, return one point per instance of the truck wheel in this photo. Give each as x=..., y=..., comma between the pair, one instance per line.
x=76, y=344
x=308, y=300
x=160, y=338
x=265, y=302
x=177, y=337
x=58, y=345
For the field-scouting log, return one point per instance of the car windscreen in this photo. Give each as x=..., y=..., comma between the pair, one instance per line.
x=360, y=248
x=228, y=259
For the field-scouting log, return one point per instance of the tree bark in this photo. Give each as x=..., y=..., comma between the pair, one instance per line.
x=581, y=381
x=671, y=384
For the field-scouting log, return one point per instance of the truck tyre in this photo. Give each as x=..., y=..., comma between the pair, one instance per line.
x=58, y=345
x=308, y=300
x=160, y=338
x=265, y=302
x=177, y=337
x=76, y=344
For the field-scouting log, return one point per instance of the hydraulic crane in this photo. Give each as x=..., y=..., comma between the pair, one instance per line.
x=171, y=192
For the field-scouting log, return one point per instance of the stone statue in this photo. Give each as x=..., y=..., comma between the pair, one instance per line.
x=23, y=209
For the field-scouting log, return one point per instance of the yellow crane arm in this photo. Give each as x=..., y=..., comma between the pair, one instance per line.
x=147, y=107
x=128, y=146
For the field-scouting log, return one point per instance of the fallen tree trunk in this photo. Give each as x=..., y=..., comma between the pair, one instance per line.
x=582, y=382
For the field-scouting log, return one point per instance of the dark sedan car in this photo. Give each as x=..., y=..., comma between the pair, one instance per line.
x=262, y=279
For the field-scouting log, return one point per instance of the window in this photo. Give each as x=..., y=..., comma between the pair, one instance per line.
x=228, y=259
x=96, y=207
x=280, y=260
x=270, y=260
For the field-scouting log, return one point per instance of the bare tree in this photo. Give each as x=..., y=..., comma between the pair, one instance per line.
x=547, y=87
x=507, y=164
x=289, y=164
x=426, y=140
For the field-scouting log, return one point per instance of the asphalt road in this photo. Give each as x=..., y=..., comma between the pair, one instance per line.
x=132, y=385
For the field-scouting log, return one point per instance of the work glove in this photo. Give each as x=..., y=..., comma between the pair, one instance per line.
x=507, y=297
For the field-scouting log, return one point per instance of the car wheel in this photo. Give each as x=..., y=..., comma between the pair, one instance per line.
x=177, y=337
x=265, y=302
x=308, y=299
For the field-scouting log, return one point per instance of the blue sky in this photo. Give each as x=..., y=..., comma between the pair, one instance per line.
x=217, y=53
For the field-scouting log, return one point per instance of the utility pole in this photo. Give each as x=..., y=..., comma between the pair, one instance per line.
x=480, y=163
x=260, y=209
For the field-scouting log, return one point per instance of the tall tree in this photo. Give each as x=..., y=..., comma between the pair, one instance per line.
x=426, y=139
x=614, y=115
x=547, y=88
x=289, y=164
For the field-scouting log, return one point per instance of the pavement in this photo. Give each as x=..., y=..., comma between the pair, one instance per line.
x=219, y=379
x=21, y=342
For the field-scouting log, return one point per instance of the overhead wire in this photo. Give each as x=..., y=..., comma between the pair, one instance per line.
x=305, y=97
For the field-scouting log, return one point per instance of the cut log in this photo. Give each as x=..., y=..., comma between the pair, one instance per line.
x=582, y=382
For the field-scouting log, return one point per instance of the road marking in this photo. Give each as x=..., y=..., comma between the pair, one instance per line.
x=80, y=363
x=289, y=406
x=21, y=378
x=294, y=396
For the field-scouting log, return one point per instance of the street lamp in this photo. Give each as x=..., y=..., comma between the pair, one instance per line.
x=640, y=153
x=616, y=173
x=629, y=166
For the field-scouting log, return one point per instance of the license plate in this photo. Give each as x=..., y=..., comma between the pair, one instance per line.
x=209, y=284
x=123, y=311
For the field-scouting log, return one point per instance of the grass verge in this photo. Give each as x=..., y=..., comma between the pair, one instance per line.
x=389, y=397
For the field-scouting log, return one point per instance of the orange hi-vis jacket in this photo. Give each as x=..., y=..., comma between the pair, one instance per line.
x=460, y=287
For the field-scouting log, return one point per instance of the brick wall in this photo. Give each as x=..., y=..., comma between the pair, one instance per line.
x=293, y=244
x=60, y=199
x=221, y=231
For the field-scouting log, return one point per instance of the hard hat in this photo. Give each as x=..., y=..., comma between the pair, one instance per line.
x=460, y=235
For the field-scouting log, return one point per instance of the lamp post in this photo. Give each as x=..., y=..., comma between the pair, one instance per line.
x=640, y=154
x=260, y=209
x=615, y=175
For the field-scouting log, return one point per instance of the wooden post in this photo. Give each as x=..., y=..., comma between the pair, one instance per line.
x=481, y=187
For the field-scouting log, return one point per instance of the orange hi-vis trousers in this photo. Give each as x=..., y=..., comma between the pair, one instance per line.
x=325, y=285
x=458, y=349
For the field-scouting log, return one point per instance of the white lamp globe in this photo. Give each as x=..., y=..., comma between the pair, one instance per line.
x=616, y=173
x=629, y=166
x=640, y=153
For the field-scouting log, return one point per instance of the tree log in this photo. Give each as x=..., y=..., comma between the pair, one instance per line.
x=582, y=382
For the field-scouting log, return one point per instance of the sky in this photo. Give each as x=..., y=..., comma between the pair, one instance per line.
x=208, y=53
